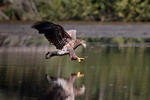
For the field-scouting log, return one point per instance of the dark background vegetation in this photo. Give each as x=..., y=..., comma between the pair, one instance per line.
x=75, y=10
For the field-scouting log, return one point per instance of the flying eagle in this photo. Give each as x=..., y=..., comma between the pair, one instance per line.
x=65, y=41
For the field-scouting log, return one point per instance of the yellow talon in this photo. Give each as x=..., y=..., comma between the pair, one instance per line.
x=80, y=59
x=80, y=74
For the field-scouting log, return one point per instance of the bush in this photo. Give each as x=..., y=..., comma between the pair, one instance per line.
x=98, y=10
x=133, y=10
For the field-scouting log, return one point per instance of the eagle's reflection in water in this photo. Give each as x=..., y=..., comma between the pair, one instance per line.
x=62, y=89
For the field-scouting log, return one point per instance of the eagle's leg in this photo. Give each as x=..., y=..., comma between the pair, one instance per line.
x=73, y=56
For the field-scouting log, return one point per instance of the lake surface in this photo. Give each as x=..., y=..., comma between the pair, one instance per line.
x=111, y=72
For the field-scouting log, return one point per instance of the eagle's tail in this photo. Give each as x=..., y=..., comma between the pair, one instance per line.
x=43, y=26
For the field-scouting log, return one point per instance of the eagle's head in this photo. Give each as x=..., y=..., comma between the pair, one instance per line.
x=83, y=43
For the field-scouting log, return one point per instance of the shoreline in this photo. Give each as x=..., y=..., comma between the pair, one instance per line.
x=23, y=35
x=85, y=30
x=78, y=22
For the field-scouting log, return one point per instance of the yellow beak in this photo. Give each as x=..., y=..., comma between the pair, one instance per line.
x=79, y=75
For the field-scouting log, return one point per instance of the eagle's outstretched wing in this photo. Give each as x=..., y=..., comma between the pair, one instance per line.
x=72, y=34
x=53, y=32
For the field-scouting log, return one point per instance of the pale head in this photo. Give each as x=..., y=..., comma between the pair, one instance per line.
x=83, y=43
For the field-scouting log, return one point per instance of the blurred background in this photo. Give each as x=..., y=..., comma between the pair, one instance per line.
x=76, y=10
x=117, y=56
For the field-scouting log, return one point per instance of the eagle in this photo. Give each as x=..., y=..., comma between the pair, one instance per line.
x=65, y=41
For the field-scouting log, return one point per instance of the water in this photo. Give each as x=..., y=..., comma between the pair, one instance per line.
x=111, y=73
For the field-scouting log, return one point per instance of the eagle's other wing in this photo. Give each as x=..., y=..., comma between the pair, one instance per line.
x=72, y=33
x=53, y=32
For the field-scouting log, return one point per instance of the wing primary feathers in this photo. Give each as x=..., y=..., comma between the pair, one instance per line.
x=43, y=26
x=53, y=32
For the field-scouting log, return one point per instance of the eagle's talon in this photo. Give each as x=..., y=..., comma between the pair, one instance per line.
x=79, y=74
x=80, y=59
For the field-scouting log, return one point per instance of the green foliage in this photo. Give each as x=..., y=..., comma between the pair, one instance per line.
x=102, y=10
x=10, y=13
x=98, y=10
x=133, y=10
x=66, y=9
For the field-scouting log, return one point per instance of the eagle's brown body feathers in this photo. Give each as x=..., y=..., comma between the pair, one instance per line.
x=64, y=41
